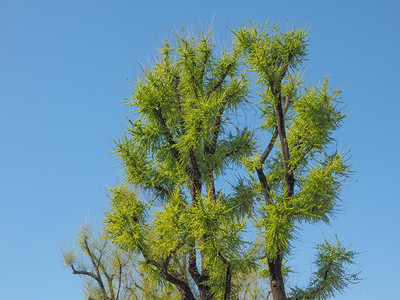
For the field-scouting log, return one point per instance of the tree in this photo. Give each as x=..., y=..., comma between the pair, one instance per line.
x=186, y=204
x=109, y=272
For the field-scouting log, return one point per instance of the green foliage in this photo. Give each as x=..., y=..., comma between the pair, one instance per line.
x=316, y=200
x=126, y=217
x=331, y=275
x=243, y=200
x=278, y=229
x=169, y=225
x=271, y=54
x=174, y=207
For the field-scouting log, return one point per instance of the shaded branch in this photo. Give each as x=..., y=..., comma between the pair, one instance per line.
x=221, y=80
x=264, y=185
x=177, y=95
x=193, y=270
x=229, y=268
x=163, y=191
x=286, y=67
x=168, y=135
x=260, y=172
x=289, y=174
x=206, y=58
x=193, y=171
x=228, y=282
x=217, y=128
x=171, y=276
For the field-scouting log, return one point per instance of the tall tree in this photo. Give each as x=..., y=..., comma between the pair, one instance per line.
x=186, y=205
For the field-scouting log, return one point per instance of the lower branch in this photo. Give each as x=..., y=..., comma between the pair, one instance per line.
x=171, y=276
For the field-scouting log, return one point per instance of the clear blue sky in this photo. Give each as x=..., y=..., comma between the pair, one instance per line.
x=63, y=70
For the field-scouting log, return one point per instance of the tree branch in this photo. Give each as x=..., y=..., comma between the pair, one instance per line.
x=193, y=172
x=228, y=280
x=209, y=149
x=163, y=191
x=193, y=270
x=289, y=174
x=246, y=290
x=167, y=133
x=271, y=144
x=208, y=54
x=119, y=280
x=95, y=265
x=264, y=185
x=83, y=272
x=104, y=271
x=170, y=276
x=260, y=172
x=178, y=102
x=286, y=66
x=221, y=80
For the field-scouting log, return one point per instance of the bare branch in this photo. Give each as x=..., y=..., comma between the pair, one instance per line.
x=95, y=265
x=270, y=146
x=83, y=272
x=193, y=270
x=119, y=280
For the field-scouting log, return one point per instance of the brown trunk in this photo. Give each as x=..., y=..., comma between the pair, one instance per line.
x=228, y=282
x=205, y=293
x=186, y=294
x=276, y=279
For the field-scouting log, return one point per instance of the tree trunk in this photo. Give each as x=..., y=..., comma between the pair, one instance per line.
x=205, y=293
x=228, y=282
x=276, y=279
x=186, y=294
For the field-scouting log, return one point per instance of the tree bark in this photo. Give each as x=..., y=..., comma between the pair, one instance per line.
x=228, y=282
x=276, y=279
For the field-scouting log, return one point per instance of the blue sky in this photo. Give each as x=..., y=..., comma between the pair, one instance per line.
x=63, y=70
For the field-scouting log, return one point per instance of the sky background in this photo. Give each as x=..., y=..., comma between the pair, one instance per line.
x=63, y=70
